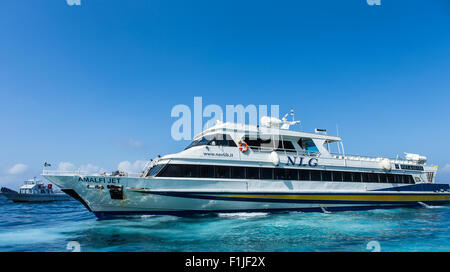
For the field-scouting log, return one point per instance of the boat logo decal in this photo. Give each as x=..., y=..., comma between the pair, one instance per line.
x=313, y=162
x=99, y=180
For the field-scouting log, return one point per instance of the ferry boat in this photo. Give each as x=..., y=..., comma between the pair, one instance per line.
x=234, y=167
x=34, y=191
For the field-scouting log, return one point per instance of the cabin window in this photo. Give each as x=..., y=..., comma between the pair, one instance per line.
x=337, y=176
x=252, y=172
x=365, y=177
x=172, y=170
x=292, y=174
x=206, y=171
x=286, y=174
x=407, y=179
x=199, y=142
x=347, y=176
x=222, y=140
x=155, y=169
x=190, y=171
x=285, y=145
x=258, y=143
x=383, y=178
x=315, y=175
x=403, y=179
x=214, y=140
x=304, y=175
x=356, y=177
x=280, y=173
x=222, y=172
x=266, y=173
x=390, y=178
x=308, y=145
x=289, y=146
x=326, y=176
x=373, y=177
x=238, y=172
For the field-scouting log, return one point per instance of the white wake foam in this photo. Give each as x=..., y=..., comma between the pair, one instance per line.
x=243, y=215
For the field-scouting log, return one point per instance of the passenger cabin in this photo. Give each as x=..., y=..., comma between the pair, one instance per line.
x=215, y=154
x=35, y=187
x=263, y=139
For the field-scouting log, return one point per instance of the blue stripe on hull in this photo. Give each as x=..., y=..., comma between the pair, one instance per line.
x=424, y=187
x=214, y=196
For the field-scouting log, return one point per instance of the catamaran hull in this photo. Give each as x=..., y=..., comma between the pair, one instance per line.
x=157, y=196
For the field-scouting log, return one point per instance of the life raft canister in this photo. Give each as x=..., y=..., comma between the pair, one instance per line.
x=243, y=147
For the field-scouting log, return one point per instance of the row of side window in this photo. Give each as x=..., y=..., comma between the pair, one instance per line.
x=236, y=172
x=278, y=145
x=255, y=143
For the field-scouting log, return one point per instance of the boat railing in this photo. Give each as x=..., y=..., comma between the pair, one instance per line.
x=367, y=158
x=286, y=151
x=86, y=173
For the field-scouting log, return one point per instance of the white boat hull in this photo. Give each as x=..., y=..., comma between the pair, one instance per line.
x=184, y=196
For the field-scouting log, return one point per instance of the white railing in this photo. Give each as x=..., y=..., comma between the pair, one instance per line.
x=367, y=158
x=285, y=151
x=85, y=173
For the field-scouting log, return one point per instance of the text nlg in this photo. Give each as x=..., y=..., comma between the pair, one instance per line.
x=313, y=162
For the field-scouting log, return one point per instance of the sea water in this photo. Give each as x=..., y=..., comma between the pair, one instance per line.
x=67, y=226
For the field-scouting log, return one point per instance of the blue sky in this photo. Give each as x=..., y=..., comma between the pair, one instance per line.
x=94, y=85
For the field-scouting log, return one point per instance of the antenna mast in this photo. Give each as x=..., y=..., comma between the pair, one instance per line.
x=337, y=134
x=286, y=123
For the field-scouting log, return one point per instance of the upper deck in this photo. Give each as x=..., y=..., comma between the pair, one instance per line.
x=300, y=143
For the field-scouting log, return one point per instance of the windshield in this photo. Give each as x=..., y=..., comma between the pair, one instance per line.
x=308, y=145
x=154, y=170
x=214, y=140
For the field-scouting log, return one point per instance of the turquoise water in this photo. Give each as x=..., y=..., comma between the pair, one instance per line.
x=51, y=226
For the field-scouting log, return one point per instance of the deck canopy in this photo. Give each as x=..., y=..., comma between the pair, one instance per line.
x=269, y=138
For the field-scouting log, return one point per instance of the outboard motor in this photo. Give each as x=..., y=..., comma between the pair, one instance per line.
x=116, y=192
